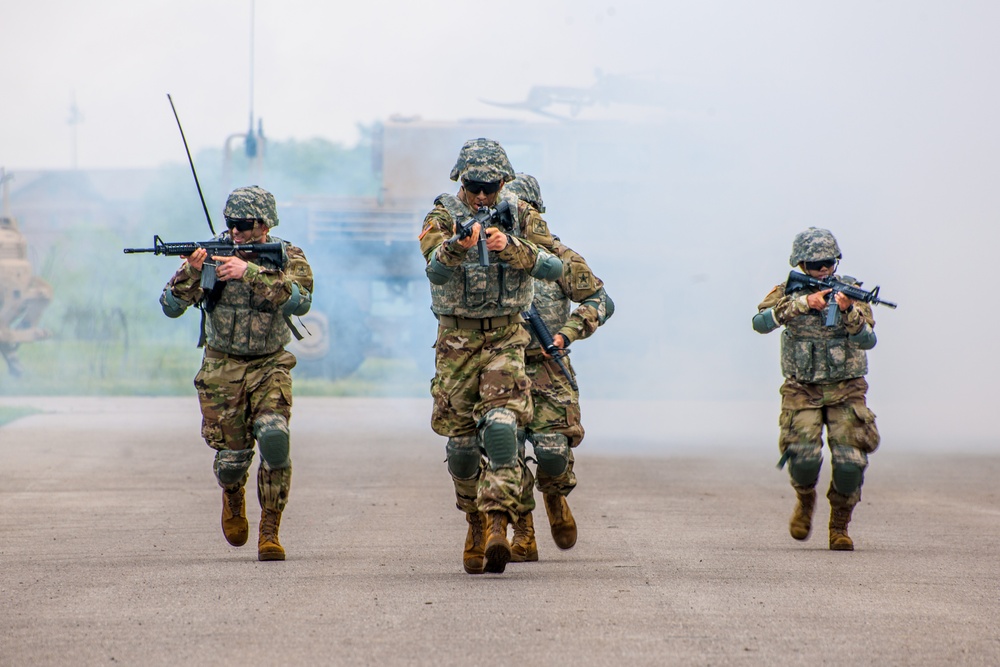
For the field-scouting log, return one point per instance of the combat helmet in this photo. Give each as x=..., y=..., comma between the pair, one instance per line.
x=482, y=160
x=252, y=202
x=526, y=187
x=814, y=245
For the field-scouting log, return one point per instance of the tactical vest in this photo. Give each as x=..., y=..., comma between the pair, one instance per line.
x=554, y=307
x=479, y=292
x=815, y=353
x=243, y=323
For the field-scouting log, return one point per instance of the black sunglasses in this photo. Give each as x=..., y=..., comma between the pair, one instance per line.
x=480, y=187
x=241, y=224
x=822, y=264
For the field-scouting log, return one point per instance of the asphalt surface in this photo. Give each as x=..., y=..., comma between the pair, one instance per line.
x=111, y=551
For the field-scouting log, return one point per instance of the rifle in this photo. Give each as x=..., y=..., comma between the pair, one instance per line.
x=273, y=251
x=486, y=217
x=797, y=281
x=544, y=336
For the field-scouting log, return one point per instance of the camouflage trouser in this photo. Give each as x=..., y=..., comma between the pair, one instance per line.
x=234, y=395
x=850, y=427
x=556, y=410
x=475, y=372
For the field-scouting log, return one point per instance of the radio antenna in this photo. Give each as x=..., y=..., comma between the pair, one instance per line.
x=191, y=162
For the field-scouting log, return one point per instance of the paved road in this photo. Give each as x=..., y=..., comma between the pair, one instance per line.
x=111, y=553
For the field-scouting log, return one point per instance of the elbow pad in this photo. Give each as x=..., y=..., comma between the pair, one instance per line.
x=764, y=322
x=297, y=304
x=864, y=339
x=547, y=266
x=437, y=272
x=172, y=306
x=602, y=303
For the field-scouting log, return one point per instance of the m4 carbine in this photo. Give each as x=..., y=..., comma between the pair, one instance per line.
x=487, y=217
x=797, y=281
x=274, y=251
x=544, y=336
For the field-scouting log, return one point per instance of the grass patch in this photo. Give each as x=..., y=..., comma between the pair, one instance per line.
x=9, y=413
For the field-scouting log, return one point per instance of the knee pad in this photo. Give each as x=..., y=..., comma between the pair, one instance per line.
x=848, y=472
x=231, y=466
x=551, y=452
x=271, y=432
x=804, y=463
x=464, y=457
x=498, y=429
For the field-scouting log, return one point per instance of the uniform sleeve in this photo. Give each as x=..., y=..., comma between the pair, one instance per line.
x=582, y=287
x=275, y=285
x=437, y=230
x=185, y=285
x=535, y=228
x=783, y=307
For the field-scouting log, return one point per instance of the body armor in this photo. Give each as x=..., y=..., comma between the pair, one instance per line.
x=814, y=353
x=242, y=323
x=554, y=307
x=480, y=292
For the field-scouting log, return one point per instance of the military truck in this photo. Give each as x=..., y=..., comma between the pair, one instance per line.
x=23, y=295
x=372, y=298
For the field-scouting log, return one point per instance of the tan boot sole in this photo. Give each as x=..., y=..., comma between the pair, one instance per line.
x=271, y=553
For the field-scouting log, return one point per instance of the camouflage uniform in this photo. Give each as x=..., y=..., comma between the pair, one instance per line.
x=555, y=426
x=824, y=369
x=244, y=384
x=480, y=388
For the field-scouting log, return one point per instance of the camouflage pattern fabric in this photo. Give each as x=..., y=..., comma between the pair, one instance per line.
x=477, y=371
x=526, y=187
x=814, y=245
x=252, y=203
x=247, y=318
x=812, y=351
x=482, y=160
x=840, y=407
x=233, y=395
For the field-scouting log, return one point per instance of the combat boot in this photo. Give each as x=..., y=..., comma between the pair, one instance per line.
x=497, y=547
x=474, y=556
x=839, y=539
x=801, y=523
x=268, y=547
x=561, y=520
x=523, y=547
x=234, y=517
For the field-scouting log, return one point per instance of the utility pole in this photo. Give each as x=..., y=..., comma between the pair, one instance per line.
x=75, y=118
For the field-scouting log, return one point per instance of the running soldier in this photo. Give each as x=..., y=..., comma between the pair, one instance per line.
x=480, y=388
x=555, y=427
x=245, y=384
x=824, y=369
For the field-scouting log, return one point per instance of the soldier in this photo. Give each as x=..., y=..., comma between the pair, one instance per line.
x=824, y=369
x=245, y=385
x=480, y=389
x=555, y=426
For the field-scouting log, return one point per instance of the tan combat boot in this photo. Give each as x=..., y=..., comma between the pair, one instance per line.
x=497, y=547
x=523, y=547
x=801, y=523
x=839, y=539
x=474, y=556
x=561, y=520
x=268, y=547
x=234, y=517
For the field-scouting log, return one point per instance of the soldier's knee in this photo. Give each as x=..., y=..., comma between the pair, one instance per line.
x=271, y=432
x=463, y=456
x=848, y=472
x=498, y=429
x=231, y=465
x=804, y=463
x=551, y=452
